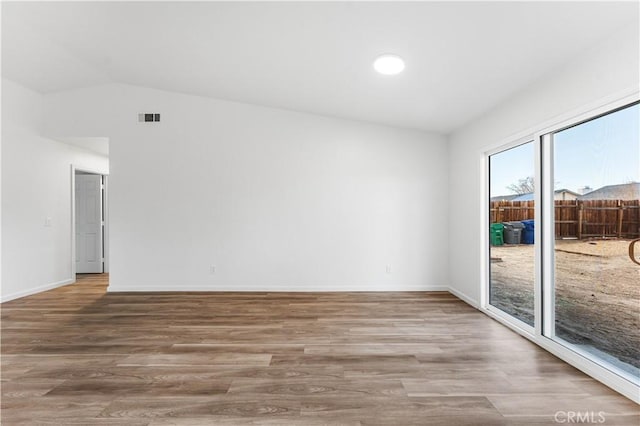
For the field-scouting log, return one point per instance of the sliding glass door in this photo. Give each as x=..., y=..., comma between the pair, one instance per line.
x=596, y=169
x=563, y=214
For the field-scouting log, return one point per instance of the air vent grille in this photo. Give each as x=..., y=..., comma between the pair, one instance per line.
x=146, y=117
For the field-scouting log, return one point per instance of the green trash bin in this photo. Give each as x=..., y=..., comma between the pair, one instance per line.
x=496, y=233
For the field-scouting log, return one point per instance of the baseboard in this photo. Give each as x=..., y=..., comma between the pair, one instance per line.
x=271, y=288
x=40, y=289
x=468, y=300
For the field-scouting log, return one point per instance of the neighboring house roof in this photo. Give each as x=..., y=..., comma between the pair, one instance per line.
x=560, y=191
x=524, y=197
x=504, y=197
x=529, y=196
x=625, y=191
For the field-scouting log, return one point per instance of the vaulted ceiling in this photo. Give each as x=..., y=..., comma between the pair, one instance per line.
x=461, y=58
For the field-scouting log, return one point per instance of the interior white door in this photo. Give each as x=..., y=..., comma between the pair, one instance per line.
x=88, y=224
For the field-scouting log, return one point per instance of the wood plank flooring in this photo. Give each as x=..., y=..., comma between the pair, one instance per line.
x=77, y=355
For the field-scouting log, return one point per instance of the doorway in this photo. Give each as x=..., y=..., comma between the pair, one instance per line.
x=89, y=222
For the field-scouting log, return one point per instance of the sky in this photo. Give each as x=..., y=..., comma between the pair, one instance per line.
x=600, y=152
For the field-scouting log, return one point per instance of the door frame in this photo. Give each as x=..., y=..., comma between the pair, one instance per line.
x=105, y=208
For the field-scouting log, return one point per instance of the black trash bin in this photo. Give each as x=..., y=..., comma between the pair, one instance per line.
x=513, y=232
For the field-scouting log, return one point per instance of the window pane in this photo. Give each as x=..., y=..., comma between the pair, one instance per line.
x=511, y=224
x=597, y=214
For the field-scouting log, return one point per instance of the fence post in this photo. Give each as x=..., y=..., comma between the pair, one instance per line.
x=580, y=210
x=620, y=214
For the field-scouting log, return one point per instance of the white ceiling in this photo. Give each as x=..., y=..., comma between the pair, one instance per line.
x=461, y=58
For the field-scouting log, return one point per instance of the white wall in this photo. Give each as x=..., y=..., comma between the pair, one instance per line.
x=608, y=69
x=36, y=184
x=276, y=200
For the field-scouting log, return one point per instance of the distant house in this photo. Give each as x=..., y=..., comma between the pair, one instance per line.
x=504, y=197
x=565, y=194
x=625, y=191
x=524, y=197
x=559, y=194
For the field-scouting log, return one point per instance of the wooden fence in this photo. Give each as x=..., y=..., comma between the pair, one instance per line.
x=578, y=218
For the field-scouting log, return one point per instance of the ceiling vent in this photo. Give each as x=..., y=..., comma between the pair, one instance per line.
x=145, y=117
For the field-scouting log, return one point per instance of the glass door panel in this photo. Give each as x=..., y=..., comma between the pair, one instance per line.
x=596, y=169
x=511, y=225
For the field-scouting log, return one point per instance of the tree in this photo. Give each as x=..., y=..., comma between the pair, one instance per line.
x=524, y=186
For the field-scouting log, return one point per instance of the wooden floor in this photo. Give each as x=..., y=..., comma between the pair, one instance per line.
x=76, y=355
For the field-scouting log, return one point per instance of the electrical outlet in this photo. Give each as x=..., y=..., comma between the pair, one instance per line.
x=47, y=221
x=212, y=269
x=388, y=269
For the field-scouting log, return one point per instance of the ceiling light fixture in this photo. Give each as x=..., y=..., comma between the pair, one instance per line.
x=388, y=64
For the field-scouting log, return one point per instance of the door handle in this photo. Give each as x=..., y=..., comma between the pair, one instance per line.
x=632, y=255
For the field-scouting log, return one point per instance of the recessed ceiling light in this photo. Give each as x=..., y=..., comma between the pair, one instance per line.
x=388, y=64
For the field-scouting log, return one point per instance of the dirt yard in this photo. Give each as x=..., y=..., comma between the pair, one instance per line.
x=597, y=293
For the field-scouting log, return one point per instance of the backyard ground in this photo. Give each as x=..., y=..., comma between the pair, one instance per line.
x=597, y=294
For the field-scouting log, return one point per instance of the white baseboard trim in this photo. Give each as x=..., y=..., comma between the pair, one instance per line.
x=270, y=288
x=40, y=289
x=468, y=300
